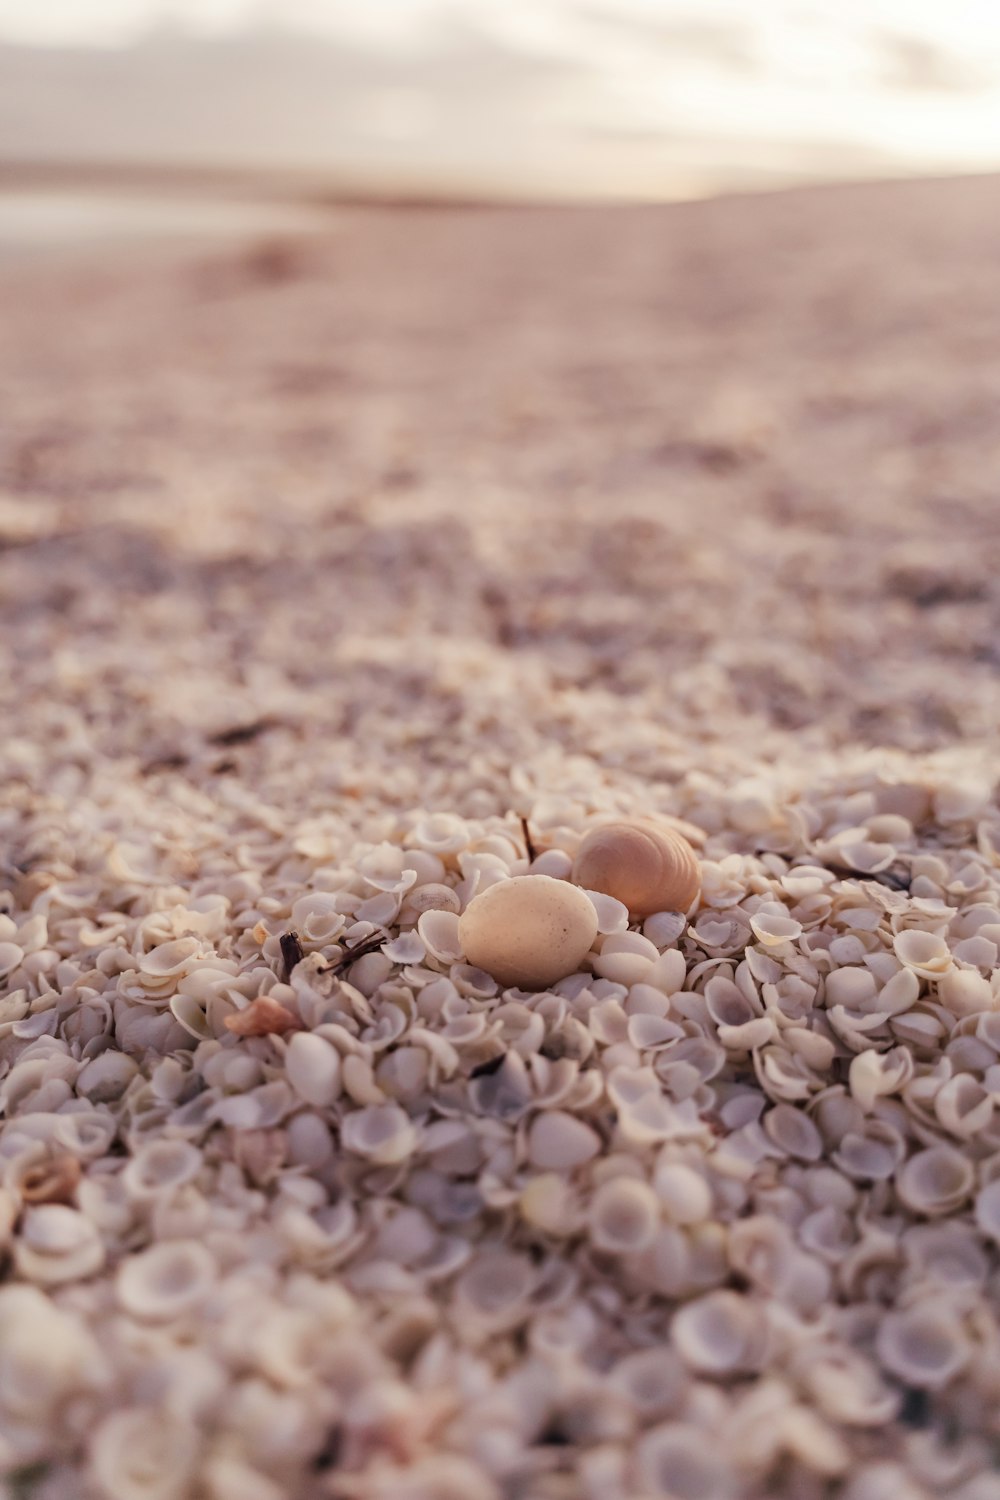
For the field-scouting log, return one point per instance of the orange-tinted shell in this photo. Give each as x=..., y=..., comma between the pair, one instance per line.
x=645, y=865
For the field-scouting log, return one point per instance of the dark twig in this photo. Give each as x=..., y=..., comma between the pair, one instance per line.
x=291, y=951
x=529, y=842
x=367, y=945
x=241, y=734
x=884, y=877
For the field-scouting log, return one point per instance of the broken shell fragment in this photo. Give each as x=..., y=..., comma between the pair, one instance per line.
x=645, y=865
x=528, y=931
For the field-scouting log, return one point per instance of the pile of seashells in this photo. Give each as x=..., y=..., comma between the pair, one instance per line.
x=711, y=1210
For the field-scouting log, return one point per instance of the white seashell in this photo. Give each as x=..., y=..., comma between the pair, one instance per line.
x=612, y=915
x=948, y=1253
x=161, y=1166
x=57, y=1244
x=871, y=1153
x=310, y=1143
x=549, y=1203
x=554, y=862
x=623, y=1216
x=625, y=958
x=313, y=1067
x=773, y=926
x=528, y=931
x=382, y=1133
x=935, y=1181
x=676, y=1462
x=191, y=1016
x=669, y=973
x=170, y=959
x=685, y=1195
x=664, y=928
x=439, y=931
x=432, y=897
x=10, y=957
x=558, y=1141
x=852, y=988
x=963, y=1106
x=650, y=1032
x=493, y=1291
x=407, y=948
x=133, y=1457
x=966, y=993
x=847, y=1389
x=646, y=865
x=651, y=1380
x=719, y=1334
x=874, y=1074
x=923, y=1346
x=794, y=1132
x=988, y=1210
x=925, y=953
x=166, y=1281
x=106, y=1076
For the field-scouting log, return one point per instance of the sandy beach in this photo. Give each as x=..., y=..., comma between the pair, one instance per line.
x=325, y=559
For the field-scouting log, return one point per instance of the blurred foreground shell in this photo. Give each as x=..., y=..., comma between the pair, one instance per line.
x=528, y=931
x=645, y=865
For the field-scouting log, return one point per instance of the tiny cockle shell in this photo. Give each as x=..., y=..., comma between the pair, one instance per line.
x=644, y=864
x=528, y=931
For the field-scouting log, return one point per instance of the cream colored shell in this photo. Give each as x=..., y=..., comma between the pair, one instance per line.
x=528, y=931
x=646, y=865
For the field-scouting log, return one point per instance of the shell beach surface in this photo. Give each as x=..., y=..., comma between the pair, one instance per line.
x=325, y=565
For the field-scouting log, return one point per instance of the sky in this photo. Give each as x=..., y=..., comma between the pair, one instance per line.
x=620, y=97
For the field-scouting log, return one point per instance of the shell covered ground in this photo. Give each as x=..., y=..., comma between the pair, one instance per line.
x=324, y=563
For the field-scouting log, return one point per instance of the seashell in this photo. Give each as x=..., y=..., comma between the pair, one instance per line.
x=10, y=957
x=312, y=1067
x=988, y=1210
x=935, y=1181
x=160, y=1166
x=793, y=1132
x=558, y=1141
x=963, y=1106
x=57, y=1244
x=875, y=1074
x=493, y=1291
x=262, y=1017
x=134, y=1458
x=169, y=960
x=847, y=1389
x=646, y=865
x=432, y=897
x=623, y=1216
x=439, y=932
x=685, y=1195
x=947, y=1253
x=965, y=992
x=925, y=953
x=677, y=1462
x=612, y=915
x=923, y=1346
x=382, y=1133
x=773, y=926
x=53, y=1180
x=871, y=1153
x=664, y=928
x=625, y=958
x=719, y=1334
x=549, y=1203
x=653, y=1381
x=165, y=1281
x=528, y=931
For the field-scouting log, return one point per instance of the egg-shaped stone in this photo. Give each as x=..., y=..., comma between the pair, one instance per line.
x=528, y=931
x=645, y=865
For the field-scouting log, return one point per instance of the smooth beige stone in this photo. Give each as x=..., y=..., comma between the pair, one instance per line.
x=528, y=931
